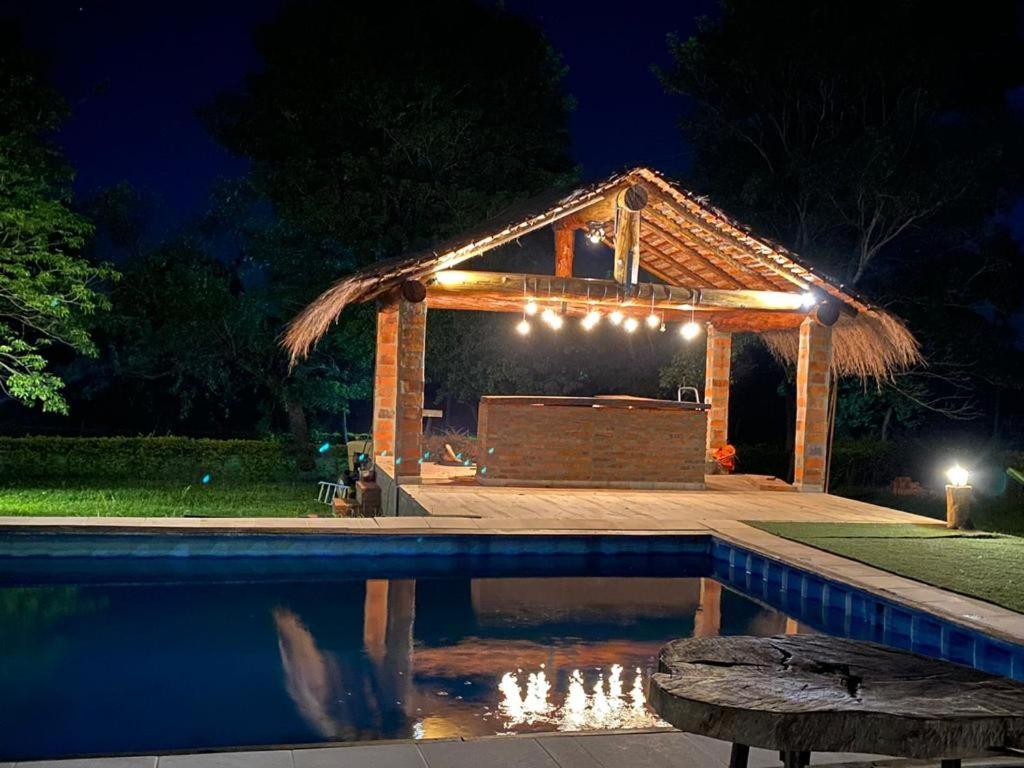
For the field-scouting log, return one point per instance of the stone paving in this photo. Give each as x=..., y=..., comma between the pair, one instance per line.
x=594, y=750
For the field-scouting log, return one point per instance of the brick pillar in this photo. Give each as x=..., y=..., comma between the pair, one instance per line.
x=813, y=365
x=398, y=384
x=716, y=387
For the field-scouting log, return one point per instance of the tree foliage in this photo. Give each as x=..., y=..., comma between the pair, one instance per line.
x=875, y=139
x=388, y=130
x=47, y=291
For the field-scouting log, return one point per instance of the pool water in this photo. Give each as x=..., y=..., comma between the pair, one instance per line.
x=114, y=644
x=140, y=667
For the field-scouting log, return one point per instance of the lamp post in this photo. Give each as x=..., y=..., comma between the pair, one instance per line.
x=958, y=498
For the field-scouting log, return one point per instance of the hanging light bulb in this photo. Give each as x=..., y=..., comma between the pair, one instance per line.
x=653, y=321
x=592, y=318
x=662, y=328
x=615, y=318
x=631, y=324
x=595, y=232
x=523, y=327
x=556, y=321
x=690, y=330
x=531, y=307
x=808, y=300
x=548, y=315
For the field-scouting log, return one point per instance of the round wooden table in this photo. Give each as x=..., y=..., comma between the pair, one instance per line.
x=804, y=693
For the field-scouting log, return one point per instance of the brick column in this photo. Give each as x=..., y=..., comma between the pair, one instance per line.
x=813, y=364
x=716, y=387
x=398, y=384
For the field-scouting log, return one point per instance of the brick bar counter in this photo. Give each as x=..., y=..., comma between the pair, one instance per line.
x=592, y=442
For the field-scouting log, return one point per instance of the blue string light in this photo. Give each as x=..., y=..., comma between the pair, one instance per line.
x=324, y=448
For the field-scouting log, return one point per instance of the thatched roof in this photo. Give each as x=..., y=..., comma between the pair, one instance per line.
x=684, y=241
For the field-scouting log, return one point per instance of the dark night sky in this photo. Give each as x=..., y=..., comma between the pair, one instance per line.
x=134, y=73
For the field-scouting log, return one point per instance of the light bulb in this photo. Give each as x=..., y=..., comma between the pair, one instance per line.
x=958, y=476
x=690, y=330
x=523, y=327
x=653, y=321
x=808, y=300
x=592, y=318
x=531, y=307
x=615, y=318
x=594, y=237
x=547, y=315
x=556, y=321
x=631, y=324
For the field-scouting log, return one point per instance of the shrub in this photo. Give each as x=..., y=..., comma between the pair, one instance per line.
x=179, y=459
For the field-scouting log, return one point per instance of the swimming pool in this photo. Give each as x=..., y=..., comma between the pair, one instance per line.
x=119, y=643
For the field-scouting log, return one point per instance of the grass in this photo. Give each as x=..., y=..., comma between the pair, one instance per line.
x=160, y=499
x=997, y=514
x=988, y=566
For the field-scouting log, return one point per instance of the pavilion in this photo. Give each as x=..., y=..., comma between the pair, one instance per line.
x=673, y=254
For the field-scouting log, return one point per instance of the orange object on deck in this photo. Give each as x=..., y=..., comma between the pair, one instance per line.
x=726, y=458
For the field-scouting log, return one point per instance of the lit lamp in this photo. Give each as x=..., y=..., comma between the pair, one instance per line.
x=958, y=498
x=615, y=318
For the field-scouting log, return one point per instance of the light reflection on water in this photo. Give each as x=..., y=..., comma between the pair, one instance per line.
x=606, y=707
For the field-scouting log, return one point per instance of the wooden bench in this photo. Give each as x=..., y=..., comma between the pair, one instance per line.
x=812, y=693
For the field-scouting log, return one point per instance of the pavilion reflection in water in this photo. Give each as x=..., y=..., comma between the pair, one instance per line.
x=462, y=657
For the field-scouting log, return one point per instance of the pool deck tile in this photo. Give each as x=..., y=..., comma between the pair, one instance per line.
x=501, y=752
x=93, y=762
x=368, y=756
x=657, y=749
x=277, y=758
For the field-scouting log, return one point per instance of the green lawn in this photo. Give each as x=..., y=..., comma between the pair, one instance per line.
x=160, y=499
x=988, y=566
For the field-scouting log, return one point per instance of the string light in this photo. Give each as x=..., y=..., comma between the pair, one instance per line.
x=615, y=318
x=653, y=321
x=592, y=318
x=548, y=315
x=556, y=321
x=595, y=232
x=691, y=329
x=523, y=327
x=631, y=324
x=531, y=307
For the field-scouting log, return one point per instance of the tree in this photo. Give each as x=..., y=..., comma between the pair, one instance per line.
x=371, y=132
x=388, y=129
x=874, y=138
x=47, y=291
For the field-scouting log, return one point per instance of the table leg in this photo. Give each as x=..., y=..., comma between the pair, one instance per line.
x=740, y=753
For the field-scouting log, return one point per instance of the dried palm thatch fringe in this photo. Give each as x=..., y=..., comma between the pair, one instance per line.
x=872, y=345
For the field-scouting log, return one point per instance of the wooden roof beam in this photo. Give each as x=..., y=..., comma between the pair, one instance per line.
x=478, y=289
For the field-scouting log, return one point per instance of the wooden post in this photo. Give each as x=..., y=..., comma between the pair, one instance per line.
x=565, y=236
x=398, y=379
x=627, y=233
x=813, y=375
x=716, y=387
x=958, y=506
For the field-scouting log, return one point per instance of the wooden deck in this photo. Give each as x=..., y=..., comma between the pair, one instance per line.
x=451, y=492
